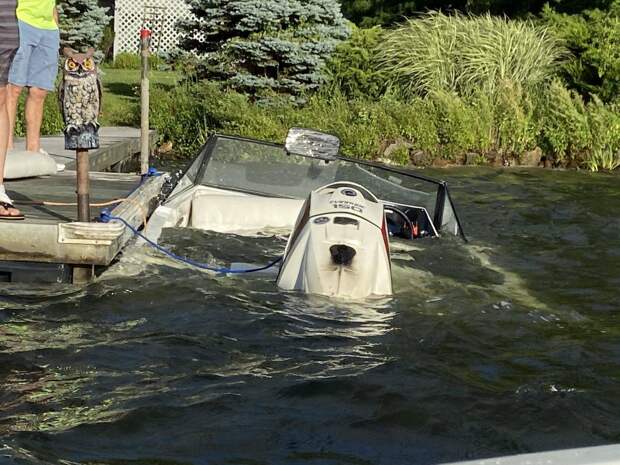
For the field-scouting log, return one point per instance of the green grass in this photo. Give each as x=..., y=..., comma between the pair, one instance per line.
x=121, y=94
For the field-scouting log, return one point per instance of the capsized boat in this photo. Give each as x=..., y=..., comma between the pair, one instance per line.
x=340, y=213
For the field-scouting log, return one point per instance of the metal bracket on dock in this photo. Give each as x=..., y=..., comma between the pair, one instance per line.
x=90, y=233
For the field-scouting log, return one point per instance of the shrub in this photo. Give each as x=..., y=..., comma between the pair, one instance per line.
x=373, y=12
x=53, y=122
x=453, y=119
x=577, y=133
x=565, y=133
x=466, y=54
x=515, y=127
x=439, y=124
x=605, y=133
x=594, y=40
x=352, y=68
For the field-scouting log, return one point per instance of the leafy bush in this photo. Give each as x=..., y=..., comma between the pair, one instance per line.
x=368, y=13
x=605, y=133
x=53, y=122
x=440, y=124
x=578, y=133
x=453, y=120
x=515, y=128
x=466, y=54
x=593, y=38
x=352, y=68
x=566, y=133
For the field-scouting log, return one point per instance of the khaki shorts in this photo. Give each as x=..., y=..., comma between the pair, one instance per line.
x=36, y=61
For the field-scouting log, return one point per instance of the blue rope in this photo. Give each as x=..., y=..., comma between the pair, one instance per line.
x=106, y=217
x=152, y=172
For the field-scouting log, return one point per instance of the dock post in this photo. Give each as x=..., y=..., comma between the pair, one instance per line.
x=145, y=143
x=83, y=186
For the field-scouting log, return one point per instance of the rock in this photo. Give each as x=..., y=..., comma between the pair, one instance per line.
x=166, y=147
x=440, y=162
x=398, y=145
x=387, y=161
x=471, y=159
x=531, y=158
x=508, y=161
x=494, y=159
x=460, y=159
x=419, y=158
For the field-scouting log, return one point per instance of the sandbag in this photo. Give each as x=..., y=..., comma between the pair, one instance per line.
x=24, y=164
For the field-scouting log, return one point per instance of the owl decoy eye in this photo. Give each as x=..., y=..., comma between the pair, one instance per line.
x=71, y=65
x=88, y=64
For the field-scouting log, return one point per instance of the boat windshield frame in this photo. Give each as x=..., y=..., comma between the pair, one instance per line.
x=442, y=190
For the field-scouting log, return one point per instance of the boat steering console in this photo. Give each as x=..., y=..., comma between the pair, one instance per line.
x=408, y=222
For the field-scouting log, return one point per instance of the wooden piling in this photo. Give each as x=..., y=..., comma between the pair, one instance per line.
x=83, y=187
x=145, y=149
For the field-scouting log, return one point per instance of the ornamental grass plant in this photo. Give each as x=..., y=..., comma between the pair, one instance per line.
x=468, y=54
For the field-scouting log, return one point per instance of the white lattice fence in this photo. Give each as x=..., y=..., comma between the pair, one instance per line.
x=129, y=16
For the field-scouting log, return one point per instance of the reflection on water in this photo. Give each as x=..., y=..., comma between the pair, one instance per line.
x=507, y=344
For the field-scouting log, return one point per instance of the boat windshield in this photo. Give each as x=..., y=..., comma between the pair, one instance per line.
x=267, y=169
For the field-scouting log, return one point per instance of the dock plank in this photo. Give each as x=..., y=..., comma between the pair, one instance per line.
x=61, y=188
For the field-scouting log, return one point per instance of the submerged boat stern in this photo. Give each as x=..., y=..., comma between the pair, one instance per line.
x=339, y=246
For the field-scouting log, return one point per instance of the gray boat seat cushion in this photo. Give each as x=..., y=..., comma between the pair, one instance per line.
x=229, y=213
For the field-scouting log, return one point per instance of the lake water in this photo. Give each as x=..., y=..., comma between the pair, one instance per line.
x=507, y=344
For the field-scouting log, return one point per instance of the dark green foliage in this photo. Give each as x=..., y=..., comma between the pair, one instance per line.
x=387, y=12
x=594, y=40
x=368, y=13
x=353, y=68
x=82, y=23
x=266, y=46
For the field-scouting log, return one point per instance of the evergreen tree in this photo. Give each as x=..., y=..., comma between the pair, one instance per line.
x=82, y=23
x=259, y=46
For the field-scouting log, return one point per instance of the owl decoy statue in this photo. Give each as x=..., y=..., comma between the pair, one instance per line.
x=80, y=99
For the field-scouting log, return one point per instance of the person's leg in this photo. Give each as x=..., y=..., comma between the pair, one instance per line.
x=34, y=118
x=12, y=98
x=18, y=75
x=4, y=131
x=4, y=137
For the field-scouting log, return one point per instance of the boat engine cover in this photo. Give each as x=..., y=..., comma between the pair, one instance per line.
x=339, y=246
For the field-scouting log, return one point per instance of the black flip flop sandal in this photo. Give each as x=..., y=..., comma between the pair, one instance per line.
x=8, y=206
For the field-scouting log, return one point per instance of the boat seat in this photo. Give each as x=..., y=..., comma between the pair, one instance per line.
x=230, y=213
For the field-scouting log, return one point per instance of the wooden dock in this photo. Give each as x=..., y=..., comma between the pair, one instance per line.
x=51, y=245
x=118, y=145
